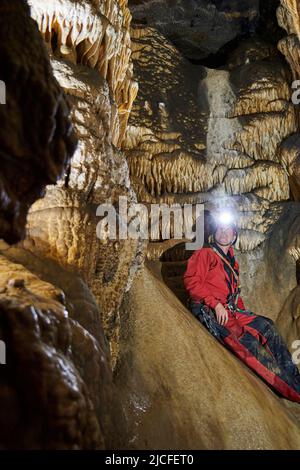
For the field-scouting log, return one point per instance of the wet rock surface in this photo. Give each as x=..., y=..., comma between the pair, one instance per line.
x=207, y=399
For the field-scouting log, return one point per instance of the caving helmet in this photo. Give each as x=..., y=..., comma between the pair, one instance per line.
x=223, y=218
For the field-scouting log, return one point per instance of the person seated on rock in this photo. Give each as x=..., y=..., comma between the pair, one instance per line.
x=212, y=282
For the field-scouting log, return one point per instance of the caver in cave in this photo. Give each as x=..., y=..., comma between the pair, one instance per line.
x=100, y=352
x=212, y=280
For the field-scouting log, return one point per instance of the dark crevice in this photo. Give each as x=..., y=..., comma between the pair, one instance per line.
x=67, y=177
x=54, y=41
x=298, y=271
x=265, y=27
x=139, y=22
x=268, y=28
x=220, y=58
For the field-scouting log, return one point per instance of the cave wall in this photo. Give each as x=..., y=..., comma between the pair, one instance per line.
x=61, y=285
x=93, y=66
x=212, y=135
x=197, y=28
x=248, y=152
x=182, y=390
x=34, y=152
x=113, y=359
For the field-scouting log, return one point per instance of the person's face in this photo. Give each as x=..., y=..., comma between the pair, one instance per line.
x=224, y=235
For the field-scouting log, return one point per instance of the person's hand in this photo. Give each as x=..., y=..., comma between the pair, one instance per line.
x=221, y=314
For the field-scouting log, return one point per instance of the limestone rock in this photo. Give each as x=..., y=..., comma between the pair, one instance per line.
x=288, y=318
x=250, y=116
x=69, y=357
x=94, y=33
x=99, y=171
x=225, y=139
x=113, y=359
x=197, y=28
x=207, y=399
x=288, y=18
x=36, y=135
x=165, y=138
x=57, y=383
x=269, y=273
x=291, y=159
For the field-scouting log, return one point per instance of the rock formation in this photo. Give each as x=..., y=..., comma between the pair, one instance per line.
x=188, y=107
x=93, y=65
x=232, y=137
x=288, y=18
x=96, y=34
x=36, y=151
x=249, y=152
x=223, y=143
x=57, y=381
x=197, y=28
x=64, y=326
x=192, y=400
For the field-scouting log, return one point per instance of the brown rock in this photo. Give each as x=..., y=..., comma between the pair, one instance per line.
x=181, y=389
x=36, y=135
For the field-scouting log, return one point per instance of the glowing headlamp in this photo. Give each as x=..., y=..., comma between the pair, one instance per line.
x=225, y=218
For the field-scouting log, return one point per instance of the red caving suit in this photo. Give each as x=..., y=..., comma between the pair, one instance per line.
x=253, y=338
